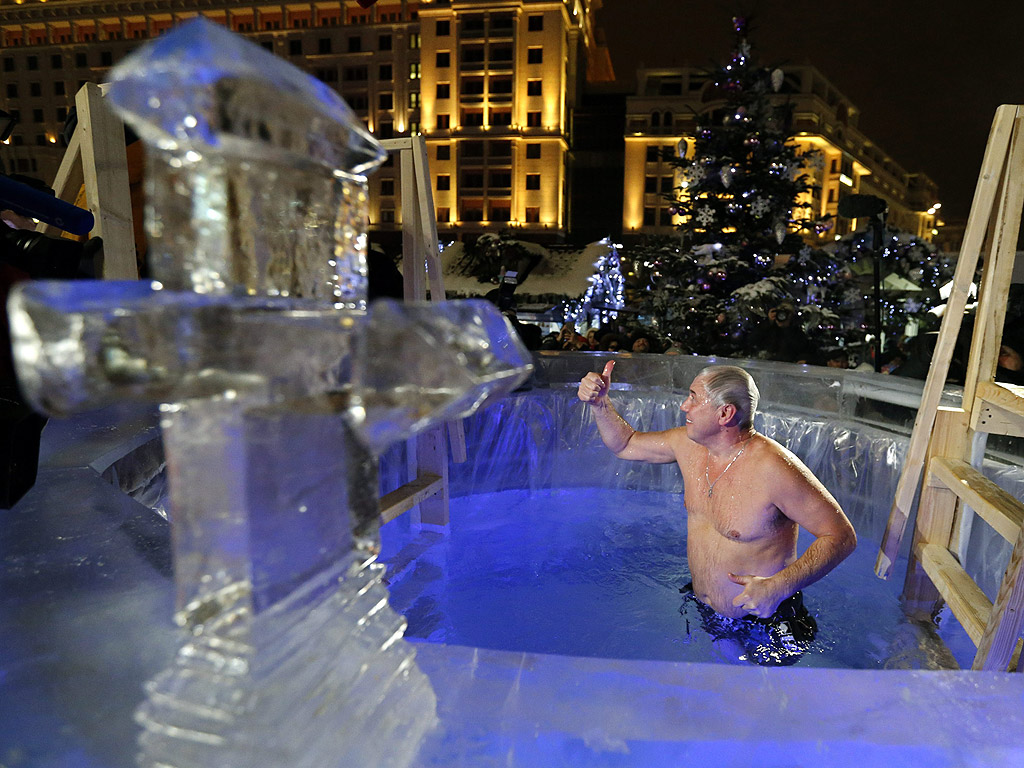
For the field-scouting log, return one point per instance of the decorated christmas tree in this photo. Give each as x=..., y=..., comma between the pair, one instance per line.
x=605, y=294
x=740, y=183
x=737, y=199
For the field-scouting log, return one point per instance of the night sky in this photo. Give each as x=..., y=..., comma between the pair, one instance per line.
x=927, y=76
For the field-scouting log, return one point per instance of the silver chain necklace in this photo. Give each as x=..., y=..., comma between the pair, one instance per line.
x=707, y=462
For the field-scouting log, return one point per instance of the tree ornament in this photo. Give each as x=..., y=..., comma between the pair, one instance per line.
x=777, y=79
x=739, y=25
x=752, y=141
x=726, y=175
x=705, y=216
x=780, y=231
x=760, y=207
x=681, y=148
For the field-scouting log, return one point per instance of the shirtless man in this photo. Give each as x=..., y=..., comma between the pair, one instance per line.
x=745, y=495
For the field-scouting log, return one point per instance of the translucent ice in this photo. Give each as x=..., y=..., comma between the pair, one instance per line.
x=254, y=176
x=276, y=386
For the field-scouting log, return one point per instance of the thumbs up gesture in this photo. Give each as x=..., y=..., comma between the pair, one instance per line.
x=594, y=385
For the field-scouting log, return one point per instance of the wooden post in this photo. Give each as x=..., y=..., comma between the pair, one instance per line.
x=96, y=158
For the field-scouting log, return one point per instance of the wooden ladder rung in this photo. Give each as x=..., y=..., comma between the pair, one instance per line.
x=406, y=497
x=999, y=408
x=996, y=507
x=965, y=598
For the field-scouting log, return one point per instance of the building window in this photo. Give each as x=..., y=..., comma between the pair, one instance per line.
x=414, y=99
x=664, y=217
x=472, y=149
x=62, y=114
x=444, y=215
x=533, y=119
x=444, y=90
x=355, y=44
x=653, y=154
x=500, y=86
x=326, y=74
x=499, y=149
x=667, y=121
x=472, y=210
x=355, y=74
x=106, y=59
x=384, y=72
x=359, y=102
x=268, y=45
x=472, y=118
x=59, y=89
x=655, y=119
x=472, y=86
x=81, y=60
x=532, y=215
x=444, y=121
x=56, y=61
x=414, y=41
x=387, y=187
x=443, y=59
x=533, y=88
x=35, y=89
x=385, y=101
x=535, y=23
x=323, y=45
x=535, y=56
x=649, y=217
x=501, y=117
x=444, y=152
x=667, y=184
x=444, y=182
x=533, y=181
x=472, y=180
x=9, y=63
x=533, y=151
x=385, y=129
x=33, y=61
x=384, y=42
x=500, y=180
x=500, y=212
x=414, y=71
x=443, y=28
x=12, y=90
x=650, y=185
x=37, y=115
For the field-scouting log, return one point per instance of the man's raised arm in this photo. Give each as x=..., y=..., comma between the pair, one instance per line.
x=620, y=438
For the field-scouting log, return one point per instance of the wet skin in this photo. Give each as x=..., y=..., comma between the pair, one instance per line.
x=741, y=540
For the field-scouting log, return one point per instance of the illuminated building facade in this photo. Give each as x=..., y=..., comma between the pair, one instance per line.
x=663, y=110
x=492, y=85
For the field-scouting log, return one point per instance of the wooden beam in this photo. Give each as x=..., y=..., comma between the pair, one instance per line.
x=406, y=497
x=997, y=644
x=996, y=507
x=989, y=184
x=965, y=598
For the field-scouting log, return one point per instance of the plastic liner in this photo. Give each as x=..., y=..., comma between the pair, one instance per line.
x=851, y=429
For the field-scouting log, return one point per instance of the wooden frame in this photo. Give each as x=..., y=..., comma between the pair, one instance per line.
x=426, y=494
x=95, y=159
x=940, y=444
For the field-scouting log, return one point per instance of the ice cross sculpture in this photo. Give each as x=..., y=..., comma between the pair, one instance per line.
x=276, y=386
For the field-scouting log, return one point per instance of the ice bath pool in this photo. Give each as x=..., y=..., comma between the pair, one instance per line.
x=597, y=572
x=584, y=663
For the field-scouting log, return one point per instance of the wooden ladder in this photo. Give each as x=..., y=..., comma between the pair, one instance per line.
x=427, y=454
x=94, y=173
x=941, y=441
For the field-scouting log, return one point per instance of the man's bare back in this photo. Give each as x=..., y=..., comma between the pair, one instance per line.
x=745, y=496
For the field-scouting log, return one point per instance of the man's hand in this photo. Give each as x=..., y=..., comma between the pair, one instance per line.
x=760, y=596
x=594, y=386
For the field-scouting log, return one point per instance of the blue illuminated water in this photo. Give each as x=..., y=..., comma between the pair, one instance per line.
x=597, y=572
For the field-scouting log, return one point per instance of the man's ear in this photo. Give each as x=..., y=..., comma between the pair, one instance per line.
x=727, y=415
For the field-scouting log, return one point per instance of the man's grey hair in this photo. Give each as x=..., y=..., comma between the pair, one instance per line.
x=731, y=385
